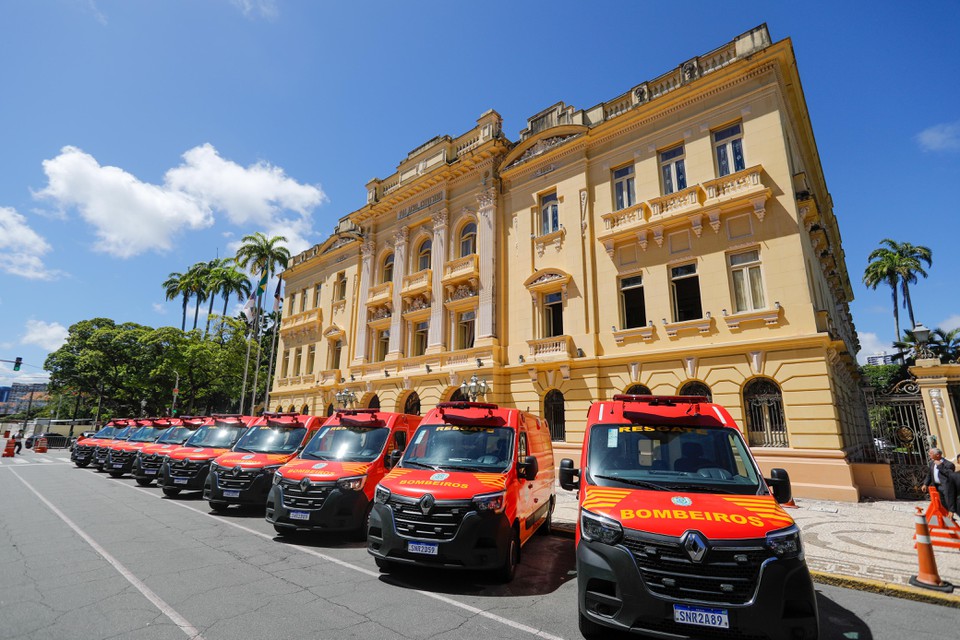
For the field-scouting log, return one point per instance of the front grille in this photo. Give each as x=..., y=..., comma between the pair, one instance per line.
x=120, y=457
x=242, y=479
x=728, y=573
x=82, y=449
x=100, y=454
x=185, y=468
x=150, y=461
x=294, y=497
x=441, y=523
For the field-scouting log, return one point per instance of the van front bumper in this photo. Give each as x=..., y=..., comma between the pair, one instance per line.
x=249, y=487
x=481, y=541
x=189, y=477
x=612, y=593
x=330, y=509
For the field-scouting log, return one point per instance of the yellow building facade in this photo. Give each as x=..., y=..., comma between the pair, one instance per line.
x=678, y=238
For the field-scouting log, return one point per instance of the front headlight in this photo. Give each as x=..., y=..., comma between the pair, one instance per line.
x=599, y=528
x=277, y=477
x=354, y=483
x=381, y=494
x=492, y=502
x=786, y=543
x=214, y=467
x=269, y=471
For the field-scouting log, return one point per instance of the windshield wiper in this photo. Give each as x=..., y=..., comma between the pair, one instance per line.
x=244, y=449
x=421, y=465
x=454, y=467
x=638, y=483
x=314, y=456
x=700, y=488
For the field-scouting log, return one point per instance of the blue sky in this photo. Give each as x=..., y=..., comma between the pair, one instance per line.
x=137, y=138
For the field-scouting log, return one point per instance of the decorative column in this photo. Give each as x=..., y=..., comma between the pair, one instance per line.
x=399, y=270
x=486, y=242
x=438, y=263
x=367, y=250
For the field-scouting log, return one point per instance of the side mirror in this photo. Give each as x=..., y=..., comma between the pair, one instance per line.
x=394, y=458
x=569, y=476
x=779, y=482
x=528, y=468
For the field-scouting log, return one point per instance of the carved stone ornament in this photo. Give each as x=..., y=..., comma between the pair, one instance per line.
x=380, y=312
x=547, y=277
x=418, y=303
x=486, y=198
x=690, y=71
x=440, y=219
x=543, y=145
x=640, y=93
x=583, y=213
x=462, y=291
x=400, y=237
x=367, y=248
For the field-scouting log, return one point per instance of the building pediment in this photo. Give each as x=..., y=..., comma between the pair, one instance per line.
x=541, y=143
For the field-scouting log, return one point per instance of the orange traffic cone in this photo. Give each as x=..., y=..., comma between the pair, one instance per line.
x=40, y=446
x=944, y=531
x=927, y=577
x=8, y=450
x=790, y=504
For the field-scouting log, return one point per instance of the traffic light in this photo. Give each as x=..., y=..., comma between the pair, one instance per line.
x=17, y=363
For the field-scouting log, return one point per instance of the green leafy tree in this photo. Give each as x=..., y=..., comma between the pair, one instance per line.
x=260, y=254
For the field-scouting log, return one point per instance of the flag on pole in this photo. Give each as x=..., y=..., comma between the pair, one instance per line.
x=250, y=308
x=262, y=287
x=276, y=297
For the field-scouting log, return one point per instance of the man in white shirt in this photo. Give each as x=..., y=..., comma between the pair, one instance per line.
x=938, y=473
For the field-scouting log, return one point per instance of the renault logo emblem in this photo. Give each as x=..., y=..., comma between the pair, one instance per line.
x=305, y=484
x=694, y=544
x=236, y=470
x=426, y=504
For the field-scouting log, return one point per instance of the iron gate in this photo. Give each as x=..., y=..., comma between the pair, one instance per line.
x=900, y=435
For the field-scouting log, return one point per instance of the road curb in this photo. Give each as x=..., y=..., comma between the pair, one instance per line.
x=891, y=589
x=564, y=529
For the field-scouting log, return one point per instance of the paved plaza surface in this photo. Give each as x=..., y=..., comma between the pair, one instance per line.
x=84, y=555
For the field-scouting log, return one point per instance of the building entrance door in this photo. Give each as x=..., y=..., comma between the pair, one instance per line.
x=900, y=435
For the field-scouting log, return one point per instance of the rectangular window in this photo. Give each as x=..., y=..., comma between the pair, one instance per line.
x=552, y=315
x=672, y=170
x=336, y=348
x=623, y=195
x=382, y=344
x=685, y=287
x=728, y=143
x=297, y=360
x=303, y=301
x=286, y=364
x=316, y=297
x=549, y=213
x=747, y=281
x=465, y=329
x=341, y=286
x=632, y=302
x=311, y=357
x=420, y=331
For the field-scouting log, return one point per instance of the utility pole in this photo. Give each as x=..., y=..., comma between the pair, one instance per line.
x=176, y=392
x=76, y=410
x=29, y=406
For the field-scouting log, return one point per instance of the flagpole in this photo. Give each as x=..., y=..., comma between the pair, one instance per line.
x=246, y=366
x=256, y=365
x=273, y=346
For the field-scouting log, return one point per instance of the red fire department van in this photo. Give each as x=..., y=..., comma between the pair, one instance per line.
x=245, y=474
x=102, y=449
x=149, y=459
x=475, y=482
x=679, y=534
x=120, y=455
x=83, y=449
x=329, y=486
x=186, y=468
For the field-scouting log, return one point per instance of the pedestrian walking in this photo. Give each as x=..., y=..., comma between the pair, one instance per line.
x=939, y=471
x=18, y=441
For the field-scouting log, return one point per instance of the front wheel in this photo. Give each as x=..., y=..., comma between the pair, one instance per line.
x=385, y=565
x=361, y=533
x=509, y=568
x=170, y=492
x=82, y=465
x=546, y=528
x=218, y=506
x=590, y=629
x=116, y=474
x=144, y=482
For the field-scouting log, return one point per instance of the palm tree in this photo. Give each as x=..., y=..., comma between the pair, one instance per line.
x=233, y=282
x=261, y=254
x=912, y=258
x=946, y=344
x=883, y=268
x=196, y=278
x=213, y=285
x=174, y=286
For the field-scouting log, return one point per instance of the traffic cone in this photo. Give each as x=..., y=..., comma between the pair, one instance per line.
x=8, y=450
x=944, y=531
x=40, y=446
x=927, y=577
x=790, y=504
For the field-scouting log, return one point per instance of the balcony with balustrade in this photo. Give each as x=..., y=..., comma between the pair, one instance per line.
x=553, y=348
x=301, y=323
x=416, y=284
x=380, y=294
x=461, y=270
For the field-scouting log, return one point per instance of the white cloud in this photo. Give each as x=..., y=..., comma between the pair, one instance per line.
x=8, y=376
x=265, y=8
x=951, y=323
x=159, y=307
x=131, y=216
x=48, y=335
x=940, y=137
x=22, y=248
x=870, y=345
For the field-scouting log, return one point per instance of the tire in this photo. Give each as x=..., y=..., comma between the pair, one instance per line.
x=218, y=506
x=590, y=629
x=171, y=492
x=546, y=528
x=116, y=474
x=82, y=465
x=144, y=482
x=360, y=535
x=509, y=568
x=385, y=565
x=283, y=531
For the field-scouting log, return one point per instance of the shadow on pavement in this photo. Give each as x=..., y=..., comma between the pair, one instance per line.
x=838, y=623
x=318, y=540
x=546, y=563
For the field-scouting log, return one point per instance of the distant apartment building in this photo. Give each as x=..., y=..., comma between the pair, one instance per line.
x=880, y=358
x=677, y=239
x=21, y=396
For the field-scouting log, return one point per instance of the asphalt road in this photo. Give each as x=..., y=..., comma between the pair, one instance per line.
x=87, y=556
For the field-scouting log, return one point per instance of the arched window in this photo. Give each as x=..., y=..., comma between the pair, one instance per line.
x=292, y=409
x=458, y=396
x=696, y=388
x=549, y=213
x=555, y=414
x=424, y=255
x=304, y=410
x=374, y=402
x=280, y=409
x=763, y=404
x=329, y=409
x=468, y=240
x=387, y=269
x=412, y=404
x=638, y=390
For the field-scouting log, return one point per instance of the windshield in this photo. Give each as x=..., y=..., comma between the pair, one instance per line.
x=215, y=437
x=671, y=457
x=174, y=435
x=106, y=433
x=122, y=434
x=145, y=434
x=460, y=448
x=265, y=439
x=347, y=444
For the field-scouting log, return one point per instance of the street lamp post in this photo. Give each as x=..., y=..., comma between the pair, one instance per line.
x=921, y=336
x=345, y=398
x=475, y=388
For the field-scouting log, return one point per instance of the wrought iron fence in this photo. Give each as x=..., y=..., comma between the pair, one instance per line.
x=766, y=423
x=900, y=435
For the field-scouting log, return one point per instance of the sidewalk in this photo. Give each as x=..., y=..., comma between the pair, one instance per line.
x=868, y=543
